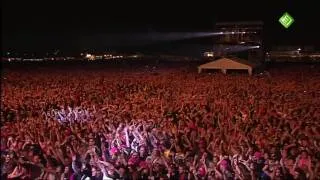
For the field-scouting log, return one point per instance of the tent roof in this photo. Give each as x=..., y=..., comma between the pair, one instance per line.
x=228, y=63
x=243, y=61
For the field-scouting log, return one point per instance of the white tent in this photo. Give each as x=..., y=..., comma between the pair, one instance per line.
x=229, y=63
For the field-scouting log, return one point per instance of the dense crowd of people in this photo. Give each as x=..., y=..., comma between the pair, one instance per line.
x=84, y=124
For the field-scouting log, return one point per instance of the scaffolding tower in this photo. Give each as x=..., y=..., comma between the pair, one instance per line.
x=247, y=33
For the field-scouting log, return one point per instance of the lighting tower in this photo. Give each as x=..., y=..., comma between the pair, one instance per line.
x=247, y=33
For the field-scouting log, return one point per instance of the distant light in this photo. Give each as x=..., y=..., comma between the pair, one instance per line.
x=299, y=49
x=209, y=54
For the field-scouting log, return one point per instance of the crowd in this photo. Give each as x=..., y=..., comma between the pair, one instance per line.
x=81, y=124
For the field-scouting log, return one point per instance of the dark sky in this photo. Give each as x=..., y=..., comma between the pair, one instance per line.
x=47, y=24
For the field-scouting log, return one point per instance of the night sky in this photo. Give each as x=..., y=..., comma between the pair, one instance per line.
x=42, y=25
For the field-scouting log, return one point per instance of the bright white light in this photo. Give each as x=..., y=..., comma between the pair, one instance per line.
x=209, y=54
x=299, y=49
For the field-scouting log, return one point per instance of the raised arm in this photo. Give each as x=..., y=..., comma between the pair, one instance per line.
x=75, y=168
